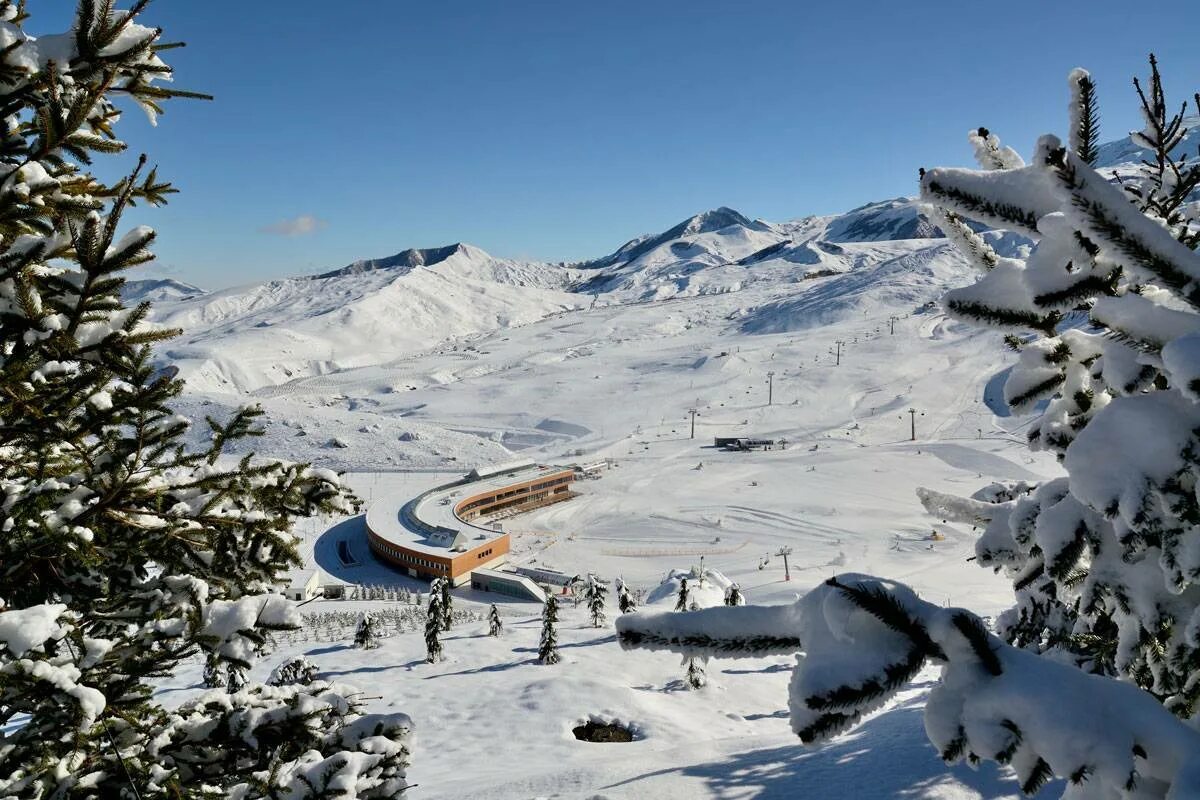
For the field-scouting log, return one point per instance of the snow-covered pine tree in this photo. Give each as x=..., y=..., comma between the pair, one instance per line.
x=297, y=669
x=124, y=552
x=625, y=601
x=597, y=596
x=495, y=624
x=681, y=599
x=733, y=596
x=433, y=625
x=366, y=633
x=1106, y=562
x=447, y=603
x=548, y=646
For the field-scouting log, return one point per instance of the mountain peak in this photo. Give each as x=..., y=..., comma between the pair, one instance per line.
x=715, y=219
x=404, y=260
x=704, y=222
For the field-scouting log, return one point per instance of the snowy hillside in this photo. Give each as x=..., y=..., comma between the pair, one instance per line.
x=158, y=291
x=374, y=312
x=377, y=311
x=239, y=339
x=1126, y=151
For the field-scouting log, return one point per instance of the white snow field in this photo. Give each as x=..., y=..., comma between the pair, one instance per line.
x=427, y=382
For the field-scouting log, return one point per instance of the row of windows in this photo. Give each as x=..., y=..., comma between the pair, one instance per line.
x=555, y=482
x=484, y=553
x=494, y=506
x=400, y=555
x=483, y=501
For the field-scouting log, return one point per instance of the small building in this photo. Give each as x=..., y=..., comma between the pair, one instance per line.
x=507, y=583
x=304, y=585
x=546, y=576
x=744, y=444
x=591, y=469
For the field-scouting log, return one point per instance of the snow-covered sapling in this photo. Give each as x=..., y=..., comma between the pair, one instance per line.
x=235, y=678
x=548, y=646
x=433, y=628
x=733, y=596
x=625, y=600
x=214, y=672
x=695, y=675
x=495, y=624
x=366, y=633
x=681, y=599
x=597, y=596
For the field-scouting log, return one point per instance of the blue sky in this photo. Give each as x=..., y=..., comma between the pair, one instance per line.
x=557, y=130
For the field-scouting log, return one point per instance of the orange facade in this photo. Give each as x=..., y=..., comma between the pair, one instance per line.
x=542, y=490
x=527, y=494
x=424, y=565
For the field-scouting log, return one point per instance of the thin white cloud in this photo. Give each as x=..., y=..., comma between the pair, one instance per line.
x=303, y=225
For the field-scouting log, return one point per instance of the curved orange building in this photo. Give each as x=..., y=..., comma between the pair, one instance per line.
x=436, y=534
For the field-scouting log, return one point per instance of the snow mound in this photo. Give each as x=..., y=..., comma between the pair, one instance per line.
x=706, y=588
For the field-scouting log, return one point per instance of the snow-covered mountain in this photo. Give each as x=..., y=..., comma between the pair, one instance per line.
x=375, y=311
x=371, y=312
x=1126, y=151
x=378, y=310
x=158, y=290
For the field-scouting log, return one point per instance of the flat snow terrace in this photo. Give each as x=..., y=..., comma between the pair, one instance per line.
x=425, y=523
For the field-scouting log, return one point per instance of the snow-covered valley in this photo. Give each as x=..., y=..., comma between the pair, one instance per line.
x=824, y=344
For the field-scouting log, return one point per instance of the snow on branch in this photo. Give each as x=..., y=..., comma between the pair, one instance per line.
x=865, y=639
x=1107, y=216
x=1014, y=199
x=728, y=631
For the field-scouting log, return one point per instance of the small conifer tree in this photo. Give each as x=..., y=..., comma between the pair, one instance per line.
x=733, y=596
x=236, y=679
x=433, y=626
x=625, y=600
x=214, y=672
x=597, y=596
x=366, y=633
x=681, y=599
x=495, y=625
x=696, y=677
x=548, y=647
